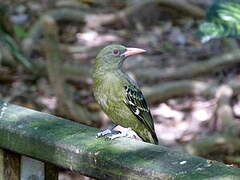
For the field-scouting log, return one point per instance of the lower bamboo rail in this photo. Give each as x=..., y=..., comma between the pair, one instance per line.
x=74, y=146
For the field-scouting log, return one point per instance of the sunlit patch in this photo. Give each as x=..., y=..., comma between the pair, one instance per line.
x=3, y=108
x=226, y=17
x=168, y=135
x=50, y=102
x=236, y=109
x=167, y=112
x=201, y=115
x=183, y=162
x=93, y=38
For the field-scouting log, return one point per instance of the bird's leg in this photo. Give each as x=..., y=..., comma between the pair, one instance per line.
x=109, y=130
x=127, y=133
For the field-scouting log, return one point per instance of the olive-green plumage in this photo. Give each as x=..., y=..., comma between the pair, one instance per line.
x=119, y=96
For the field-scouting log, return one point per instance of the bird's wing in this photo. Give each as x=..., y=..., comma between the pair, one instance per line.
x=136, y=102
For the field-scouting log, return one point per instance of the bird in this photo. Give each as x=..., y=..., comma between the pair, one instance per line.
x=222, y=20
x=119, y=96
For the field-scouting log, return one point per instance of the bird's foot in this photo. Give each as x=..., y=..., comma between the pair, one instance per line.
x=128, y=133
x=106, y=132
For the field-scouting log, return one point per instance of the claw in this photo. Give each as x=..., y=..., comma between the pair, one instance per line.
x=103, y=133
x=128, y=133
x=106, y=132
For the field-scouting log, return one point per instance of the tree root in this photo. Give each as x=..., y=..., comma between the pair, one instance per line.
x=66, y=104
x=11, y=51
x=62, y=14
x=216, y=147
x=223, y=115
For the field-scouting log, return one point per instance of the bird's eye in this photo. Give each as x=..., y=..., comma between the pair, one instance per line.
x=116, y=52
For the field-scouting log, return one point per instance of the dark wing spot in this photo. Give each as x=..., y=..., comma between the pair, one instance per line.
x=137, y=104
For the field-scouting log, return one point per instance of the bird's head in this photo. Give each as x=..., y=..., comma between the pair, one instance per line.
x=114, y=55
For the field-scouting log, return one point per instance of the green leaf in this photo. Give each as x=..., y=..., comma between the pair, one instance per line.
x=222, y=20
x=19, y=31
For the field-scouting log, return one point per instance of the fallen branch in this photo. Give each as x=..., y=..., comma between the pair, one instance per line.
x=78, y=15
x=150, y=12
x=168, y=90
x=187, y=72
x=191, y=70
x=82, y=71
x=183, y=6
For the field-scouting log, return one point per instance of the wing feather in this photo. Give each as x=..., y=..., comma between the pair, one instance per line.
x=137, y=104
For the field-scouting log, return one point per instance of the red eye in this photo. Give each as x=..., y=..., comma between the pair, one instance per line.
x=115, y=52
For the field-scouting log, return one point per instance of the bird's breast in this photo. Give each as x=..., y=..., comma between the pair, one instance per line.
x=108, y=90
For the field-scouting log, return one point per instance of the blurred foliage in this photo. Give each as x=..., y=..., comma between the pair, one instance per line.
x=166, y=46
x=222, y=20
x=20, y=31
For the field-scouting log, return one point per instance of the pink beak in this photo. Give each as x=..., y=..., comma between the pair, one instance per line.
x=132, y=51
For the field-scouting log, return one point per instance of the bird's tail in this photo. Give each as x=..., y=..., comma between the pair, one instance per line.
x=148, y=136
